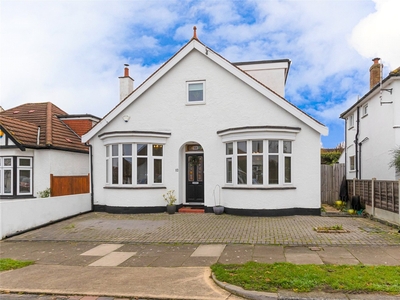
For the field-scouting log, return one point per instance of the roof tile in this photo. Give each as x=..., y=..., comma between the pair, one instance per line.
x=23, y=122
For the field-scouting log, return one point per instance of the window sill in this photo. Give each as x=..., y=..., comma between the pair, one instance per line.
x=195, y=103
x=366, y=115
x=118, y=187
x=259, y=188
x=11, y=197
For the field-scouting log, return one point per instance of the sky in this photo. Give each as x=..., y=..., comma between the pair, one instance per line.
x=71, y=53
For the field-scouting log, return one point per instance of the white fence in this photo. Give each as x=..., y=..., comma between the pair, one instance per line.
x=24, y=214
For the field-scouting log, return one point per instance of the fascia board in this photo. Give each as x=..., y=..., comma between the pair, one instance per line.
x=139, y=91
x=263, y=90
x=272, y=66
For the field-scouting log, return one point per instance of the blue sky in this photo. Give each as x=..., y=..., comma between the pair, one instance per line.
x=72, y=52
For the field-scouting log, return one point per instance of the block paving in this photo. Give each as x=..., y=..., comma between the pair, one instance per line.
x=214, y=229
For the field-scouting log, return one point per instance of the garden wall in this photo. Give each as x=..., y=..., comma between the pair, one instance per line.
x=23, y=214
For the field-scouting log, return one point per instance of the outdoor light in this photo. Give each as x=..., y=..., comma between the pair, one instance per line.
x=126, y=118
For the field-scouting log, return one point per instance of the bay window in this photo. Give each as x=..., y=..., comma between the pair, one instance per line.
x=259, y=162
x=134, y=164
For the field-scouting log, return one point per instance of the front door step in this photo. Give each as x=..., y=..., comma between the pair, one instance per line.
x=192, y=209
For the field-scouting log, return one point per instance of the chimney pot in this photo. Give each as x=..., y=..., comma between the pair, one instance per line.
x=126, y=70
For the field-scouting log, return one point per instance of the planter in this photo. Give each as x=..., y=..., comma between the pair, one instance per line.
x=171, y=209
x=218, y=210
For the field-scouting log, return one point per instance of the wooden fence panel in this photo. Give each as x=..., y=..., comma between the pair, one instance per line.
x=69, y=185
x=386, y=193
x=331, y=179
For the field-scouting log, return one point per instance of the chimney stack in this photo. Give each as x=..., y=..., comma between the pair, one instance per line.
x=375, y=73
x=125, y=84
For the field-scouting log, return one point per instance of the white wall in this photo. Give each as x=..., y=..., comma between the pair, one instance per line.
x=56, y=162
x=229, y=103
x=24, y=214
x=379, y=126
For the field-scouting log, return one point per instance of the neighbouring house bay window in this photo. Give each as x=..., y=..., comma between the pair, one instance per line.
x=259, y=162
x=15, y=176
x=134, y=164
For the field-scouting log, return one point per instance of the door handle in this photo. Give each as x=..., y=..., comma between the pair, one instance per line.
x=195, y=182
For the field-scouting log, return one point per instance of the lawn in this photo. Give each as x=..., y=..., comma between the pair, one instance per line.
x=306, y=278
x=10, y=264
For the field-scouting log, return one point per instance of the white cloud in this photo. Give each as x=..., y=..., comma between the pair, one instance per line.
x=72, y=52
x=378, y=35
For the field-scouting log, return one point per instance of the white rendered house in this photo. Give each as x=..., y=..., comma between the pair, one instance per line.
x=210, y=130
x=373, y=128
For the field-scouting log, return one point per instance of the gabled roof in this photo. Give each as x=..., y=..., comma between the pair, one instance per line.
x=36, y=125
x=195, y=44
x=393, y=74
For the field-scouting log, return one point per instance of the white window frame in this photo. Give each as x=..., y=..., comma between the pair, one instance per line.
x=228, y=156
x=150, y=165
x=4, y=168
x=350, y=120
x=365, y=110
x=195, y=102
x=24, y=168
x=354, y=163
x=265, y=154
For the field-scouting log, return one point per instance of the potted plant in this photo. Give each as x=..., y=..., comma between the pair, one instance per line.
x=170, y=199
x=218, y=208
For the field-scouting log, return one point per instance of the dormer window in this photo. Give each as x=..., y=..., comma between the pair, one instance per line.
x=196, y=92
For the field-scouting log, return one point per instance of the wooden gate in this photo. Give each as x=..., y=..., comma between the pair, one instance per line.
x=331, y=179
x=69, y=185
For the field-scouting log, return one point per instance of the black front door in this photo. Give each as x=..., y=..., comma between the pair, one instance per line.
x=194, y=178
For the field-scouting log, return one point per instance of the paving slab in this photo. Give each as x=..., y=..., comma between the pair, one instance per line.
x=200, y=261
x=112, y=259
x=393, y=251
x=208, y=250
x=373, y=256
x=236, y=254
x=139, y=261
x=337, y=256
x=268, y=254
x=169, y=259
x=153, y=283
x=102, y=249
x=302, y=256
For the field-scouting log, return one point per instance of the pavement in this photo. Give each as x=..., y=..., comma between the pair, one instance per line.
x=159, y=256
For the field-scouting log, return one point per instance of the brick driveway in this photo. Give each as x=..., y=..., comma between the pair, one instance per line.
x=209, y=228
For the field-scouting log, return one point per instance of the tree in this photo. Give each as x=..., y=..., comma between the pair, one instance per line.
x=395, y=162
x=330, y=158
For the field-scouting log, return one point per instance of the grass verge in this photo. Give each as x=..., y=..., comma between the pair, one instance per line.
x=10, y=264
x=306, y=278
